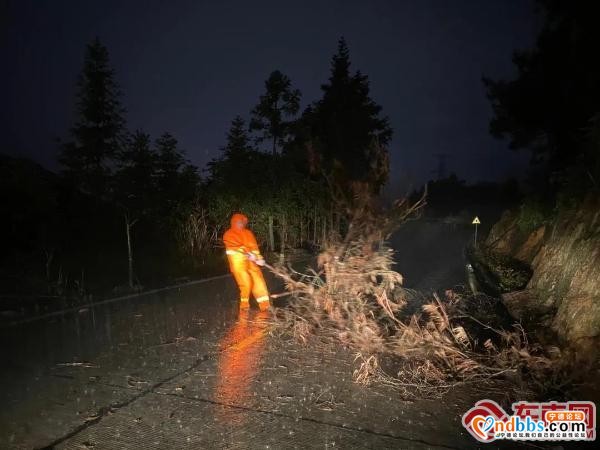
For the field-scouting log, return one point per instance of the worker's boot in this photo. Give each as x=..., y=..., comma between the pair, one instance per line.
x=244, y=303
x=263, y=303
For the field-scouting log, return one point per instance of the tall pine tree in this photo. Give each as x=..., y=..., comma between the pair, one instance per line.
x=234, y=169
x=238, y=141
x=99, y=132
x=346, y=124
x=273, y=117
x=177, y=179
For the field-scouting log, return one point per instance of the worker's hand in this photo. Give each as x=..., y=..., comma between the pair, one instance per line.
x=260, y=262
x=251, y=256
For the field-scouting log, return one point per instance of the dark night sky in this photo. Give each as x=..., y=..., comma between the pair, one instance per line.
x=188, y=67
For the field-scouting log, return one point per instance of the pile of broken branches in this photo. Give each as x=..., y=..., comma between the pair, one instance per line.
x=354, y=297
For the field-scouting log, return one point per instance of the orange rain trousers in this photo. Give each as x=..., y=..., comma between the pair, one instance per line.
x=248, y=277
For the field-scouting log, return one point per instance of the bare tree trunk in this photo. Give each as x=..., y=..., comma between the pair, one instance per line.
x=331, y=220
x=271, y=234
x=315, y=227
x=324, y=238
x=49, y=258
x=82, y=283
x=128, y=225
x=283, y=235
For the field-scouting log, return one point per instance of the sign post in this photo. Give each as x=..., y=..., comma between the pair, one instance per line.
x=475, y=222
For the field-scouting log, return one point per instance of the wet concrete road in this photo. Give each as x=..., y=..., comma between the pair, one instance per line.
x=183, y=368
x=430, y=254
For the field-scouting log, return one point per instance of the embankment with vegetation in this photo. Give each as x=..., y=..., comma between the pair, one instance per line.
x=562, y=250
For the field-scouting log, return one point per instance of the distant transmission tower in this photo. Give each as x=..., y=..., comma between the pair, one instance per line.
x=440, y=172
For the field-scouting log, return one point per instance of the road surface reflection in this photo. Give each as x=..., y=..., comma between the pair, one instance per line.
x=238, y=363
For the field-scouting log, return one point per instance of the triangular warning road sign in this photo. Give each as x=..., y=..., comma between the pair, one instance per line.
x=476, y=221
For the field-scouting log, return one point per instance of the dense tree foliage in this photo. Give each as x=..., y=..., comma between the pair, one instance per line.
x=278, y=196
x=549, y=108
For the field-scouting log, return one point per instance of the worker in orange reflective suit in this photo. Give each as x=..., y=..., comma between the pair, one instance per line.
x=245, y=260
